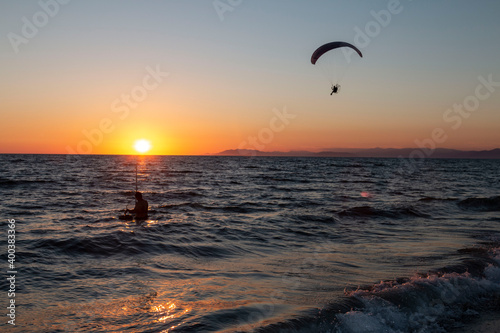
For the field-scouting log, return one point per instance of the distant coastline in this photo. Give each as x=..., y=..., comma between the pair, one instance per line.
x=416, y=153
x=412, y=153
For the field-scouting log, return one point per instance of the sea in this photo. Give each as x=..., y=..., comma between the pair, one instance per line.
x=248, y=244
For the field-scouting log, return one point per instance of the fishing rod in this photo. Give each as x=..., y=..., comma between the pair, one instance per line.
x=126, y=209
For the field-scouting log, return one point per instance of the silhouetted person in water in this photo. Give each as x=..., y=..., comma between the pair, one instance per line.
x=141, y=207
x=335, y=89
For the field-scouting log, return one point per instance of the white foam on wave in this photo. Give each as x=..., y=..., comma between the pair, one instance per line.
x=435, y=303
x=492, y=272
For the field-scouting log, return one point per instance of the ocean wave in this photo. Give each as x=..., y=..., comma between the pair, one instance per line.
x=151, y=240
x=491, y=204
x=17, y=160
x=12, y=182
x=242, y=208
x=432, y=302
x=102, y=245
x=368, y=211
x=187, y=194
x=317, y=218
x=182, y=172
x=429, y=199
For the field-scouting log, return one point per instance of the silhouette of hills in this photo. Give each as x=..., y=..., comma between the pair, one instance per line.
x=416, y=153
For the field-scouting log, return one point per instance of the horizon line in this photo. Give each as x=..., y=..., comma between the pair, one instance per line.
x=245, y=152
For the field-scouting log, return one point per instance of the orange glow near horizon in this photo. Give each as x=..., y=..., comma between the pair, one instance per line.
x=197, y=140
x=180, y=126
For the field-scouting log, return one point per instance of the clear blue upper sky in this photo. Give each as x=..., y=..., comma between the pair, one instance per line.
x=236, y=60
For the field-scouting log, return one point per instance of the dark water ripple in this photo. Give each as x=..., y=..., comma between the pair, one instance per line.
x=252, y=244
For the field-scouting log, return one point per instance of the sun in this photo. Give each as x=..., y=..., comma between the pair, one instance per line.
x=142, y=146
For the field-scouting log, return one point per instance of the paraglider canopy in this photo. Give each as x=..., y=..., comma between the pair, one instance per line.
x=334, y=61
x=330, y=46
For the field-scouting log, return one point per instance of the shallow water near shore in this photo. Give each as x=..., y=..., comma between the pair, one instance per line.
x=263, y=244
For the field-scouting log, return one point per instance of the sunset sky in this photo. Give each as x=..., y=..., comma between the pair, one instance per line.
x=198, y=77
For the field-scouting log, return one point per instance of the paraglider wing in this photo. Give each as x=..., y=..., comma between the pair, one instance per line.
x=330, y=46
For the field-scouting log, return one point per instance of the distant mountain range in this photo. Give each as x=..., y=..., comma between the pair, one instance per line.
x=416, y=153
